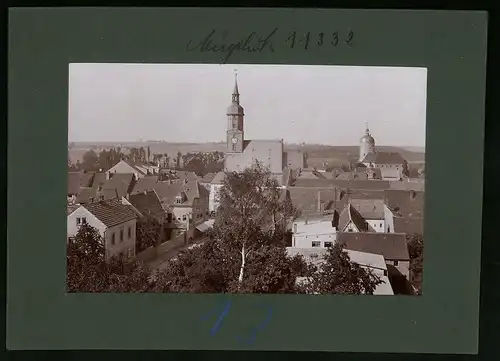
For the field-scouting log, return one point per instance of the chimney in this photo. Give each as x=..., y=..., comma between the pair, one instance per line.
x=145, y=192
x=107, y=175
x=295, y=228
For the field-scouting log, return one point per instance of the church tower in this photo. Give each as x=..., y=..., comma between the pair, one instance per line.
x=367, y=145
x=235, y=122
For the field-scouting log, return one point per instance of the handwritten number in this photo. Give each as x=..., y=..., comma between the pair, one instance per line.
x=251, y=339
x=306, y=45
x=217, y=325
x=335, y=38
x=321, y=36
x=291, y=39
x=349, y=40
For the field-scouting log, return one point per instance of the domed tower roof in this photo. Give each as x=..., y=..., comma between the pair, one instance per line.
x=235, y=108
x=367, y=138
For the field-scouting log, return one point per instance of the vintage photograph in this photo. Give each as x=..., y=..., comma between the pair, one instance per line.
x=208, y=178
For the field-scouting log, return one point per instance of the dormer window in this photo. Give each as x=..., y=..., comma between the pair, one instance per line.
x=178, y=199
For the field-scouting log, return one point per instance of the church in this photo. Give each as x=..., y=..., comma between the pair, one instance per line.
x=242, y=153
x=391, y=164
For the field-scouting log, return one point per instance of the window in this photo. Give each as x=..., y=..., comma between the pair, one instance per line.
x=380, y=225
x=184, y=217
x=385, y=272
x=113, y=239
x=130, y=253
x=91, y=199
x=78, y=221
x=169, y=217
x=234, y=147
x=328, y=244
x=316, y=243
x=129, y=232
x=121, y=235
x=101, y=197
x=350, y=229
x=396, y=263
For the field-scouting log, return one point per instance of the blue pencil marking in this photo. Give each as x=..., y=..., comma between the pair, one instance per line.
x=217, y=325
x=253, y=336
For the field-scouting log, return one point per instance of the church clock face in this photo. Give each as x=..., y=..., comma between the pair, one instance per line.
x=234, y=140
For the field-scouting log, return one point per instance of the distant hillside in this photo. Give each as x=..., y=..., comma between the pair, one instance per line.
x=317, y=154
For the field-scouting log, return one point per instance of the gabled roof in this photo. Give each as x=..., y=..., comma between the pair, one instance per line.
x=86, y=194
x=405, y=204
x=77, y=180
x=369, y=208
x=208, y=177
x=99, y=180
x=306, y=198
x=350, y=214
x=148, y=203
x=219, y=177
x=167, y=192
x=384, y=158
x=71, y=208
x=122, y=182
x=112, y=212
x=390, y=245
x=409, y=225
x=136, y=166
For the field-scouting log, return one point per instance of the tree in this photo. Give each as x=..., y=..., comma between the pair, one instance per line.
x=89, y=271
x=415, y=244
x=85, y=261
x=248, y=202
x=149, y=233
x=337, y=274
x=90, y=160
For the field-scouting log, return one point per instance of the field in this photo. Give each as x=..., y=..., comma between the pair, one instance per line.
x=317, y=154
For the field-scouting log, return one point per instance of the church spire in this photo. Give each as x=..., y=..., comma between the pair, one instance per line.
x=367, y=131
x=236, y=93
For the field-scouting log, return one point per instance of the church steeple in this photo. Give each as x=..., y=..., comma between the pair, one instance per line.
x=367, y=130
x=236, y=93
x=235, y=114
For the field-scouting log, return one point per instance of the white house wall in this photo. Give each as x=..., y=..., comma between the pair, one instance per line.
x=121, y=247
x=72, y=228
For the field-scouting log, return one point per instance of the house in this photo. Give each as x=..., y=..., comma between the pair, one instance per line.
x=392, y=246
x=107, y=186
x=369, y=261
x=76, y=180
x=215, y=185
x=407, y=208
x=138, y=169
x=313, y=232
x=148, y=204
x=189, y=201
x=115, y=222
x=174, y=175
x=366, y=215
x=206, y=180
x=391, y=164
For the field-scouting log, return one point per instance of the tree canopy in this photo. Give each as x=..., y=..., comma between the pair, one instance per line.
x=416, y=250
x=89, y=271
x=339, y=275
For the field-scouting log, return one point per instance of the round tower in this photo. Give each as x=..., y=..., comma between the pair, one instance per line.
x=367, y=145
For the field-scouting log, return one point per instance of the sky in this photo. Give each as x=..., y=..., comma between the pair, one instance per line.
x=187, y=103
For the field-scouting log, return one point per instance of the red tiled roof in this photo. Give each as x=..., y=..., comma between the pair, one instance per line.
x=409, y=225
x=406, y=204
x=121, y=182
x=111, y=212
x=167, y=192
x=391, y=245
